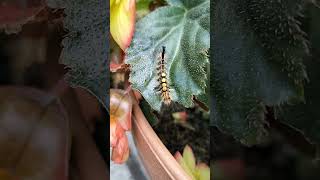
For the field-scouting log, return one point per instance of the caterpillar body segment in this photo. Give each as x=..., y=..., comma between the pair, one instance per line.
x=163, y=87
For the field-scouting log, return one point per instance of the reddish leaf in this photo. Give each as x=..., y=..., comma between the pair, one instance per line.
x=121, y=108
x=180, y=116
x=15, y=13
x=137, y=94
x=117, y=57
x=178, y=157
x=33, y=136
x=120, y=121
x=120, y=152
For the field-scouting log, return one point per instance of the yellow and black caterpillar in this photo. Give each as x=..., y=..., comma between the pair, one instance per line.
x=163, y=87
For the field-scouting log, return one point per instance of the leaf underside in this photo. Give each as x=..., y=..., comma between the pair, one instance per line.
x=257, y=59
x=86, y=46
x=183, y=28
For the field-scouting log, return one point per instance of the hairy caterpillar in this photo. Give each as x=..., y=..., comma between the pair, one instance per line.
x=163, y=86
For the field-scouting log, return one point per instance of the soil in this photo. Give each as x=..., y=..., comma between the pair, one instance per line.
x=175, y=136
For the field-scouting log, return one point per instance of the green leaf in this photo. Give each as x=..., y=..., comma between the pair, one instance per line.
x=142, y=8
x=184, y=165
x=305, y=117
x=314, y=12
x=189, y=158
x=147, y=111
x=256, y=62
x=204, y=97
x=86, y=46
x=203, y=172
x=183, y=27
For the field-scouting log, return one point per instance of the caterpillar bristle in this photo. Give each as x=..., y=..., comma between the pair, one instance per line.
x=163, y=86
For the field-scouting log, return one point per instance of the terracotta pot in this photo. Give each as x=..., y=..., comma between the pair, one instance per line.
x=158, y=161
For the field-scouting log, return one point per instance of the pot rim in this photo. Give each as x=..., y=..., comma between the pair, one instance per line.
x=162, y=154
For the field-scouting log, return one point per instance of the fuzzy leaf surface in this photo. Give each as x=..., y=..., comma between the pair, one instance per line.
x=257, y=59
x=305, y=117
x=183, y=28
x=86, y=46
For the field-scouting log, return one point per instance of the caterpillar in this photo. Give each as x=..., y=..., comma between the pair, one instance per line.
x=163, y=87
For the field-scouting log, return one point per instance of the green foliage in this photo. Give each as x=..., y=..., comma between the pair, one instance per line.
x=306, y=116
x=147, y=111
x=85, y=47
x=314, y=15
x=142, y=8
x=187, y=161
x=183, y=27
x=257, y=61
